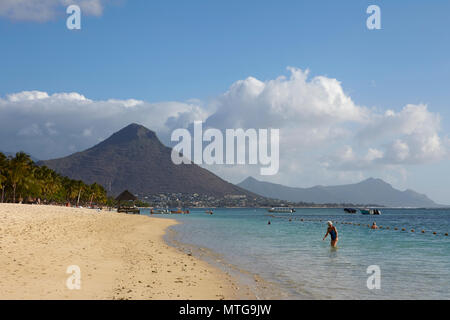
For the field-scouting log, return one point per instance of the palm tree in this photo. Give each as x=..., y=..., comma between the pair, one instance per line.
x=3, y=174
x=78, y=186
x=19, y=171
x=97, y=192
x=49, y=182
x=70, y=189
x=20, y=176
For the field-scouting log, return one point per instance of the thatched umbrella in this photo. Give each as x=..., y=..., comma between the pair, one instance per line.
x=125, y=196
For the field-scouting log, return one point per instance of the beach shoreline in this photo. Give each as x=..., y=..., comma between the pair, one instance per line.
x=119, y=256
x=250, y=284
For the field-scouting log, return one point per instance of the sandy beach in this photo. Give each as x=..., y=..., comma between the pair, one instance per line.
x=120, y=257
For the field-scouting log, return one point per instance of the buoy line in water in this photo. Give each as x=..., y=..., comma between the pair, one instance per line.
x=422, y=231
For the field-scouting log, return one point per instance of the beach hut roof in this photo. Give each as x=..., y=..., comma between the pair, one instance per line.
x=126, y=196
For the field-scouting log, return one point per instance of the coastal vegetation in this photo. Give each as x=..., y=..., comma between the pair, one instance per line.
x=23, y=181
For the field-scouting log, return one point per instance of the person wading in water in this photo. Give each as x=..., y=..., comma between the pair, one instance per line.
x=332, y=231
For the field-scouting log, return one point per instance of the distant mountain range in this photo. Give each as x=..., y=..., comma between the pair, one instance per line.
x=370, y=191
x=135, y=159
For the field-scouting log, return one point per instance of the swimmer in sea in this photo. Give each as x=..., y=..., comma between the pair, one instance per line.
x=332, y=231
x=374, y=226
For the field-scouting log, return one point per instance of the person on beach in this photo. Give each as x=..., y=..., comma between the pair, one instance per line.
x=374, y=226
x=332, y=231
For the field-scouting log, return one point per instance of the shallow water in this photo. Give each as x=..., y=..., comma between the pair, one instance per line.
x=292, y=255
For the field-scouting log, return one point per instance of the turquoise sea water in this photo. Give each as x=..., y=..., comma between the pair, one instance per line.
x=292, y=255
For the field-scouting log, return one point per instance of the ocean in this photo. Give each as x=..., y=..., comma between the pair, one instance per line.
x=290, y=255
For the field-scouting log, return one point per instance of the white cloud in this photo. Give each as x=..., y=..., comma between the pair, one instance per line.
x=44, y=10
x=392, y=140
x=127, y=103
x=27, y=96
x=53, y=125
x=310, y=113
x=411, y=120
x=374, y=154
x=286, y=102
x=324, y=136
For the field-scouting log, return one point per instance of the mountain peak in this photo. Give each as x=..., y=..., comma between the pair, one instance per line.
x=374, y=181
x=137, y=130
x=134, y=159
x=131, y=132
x=250, y=179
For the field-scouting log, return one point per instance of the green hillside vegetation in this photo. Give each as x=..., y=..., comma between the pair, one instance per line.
x=22, y=181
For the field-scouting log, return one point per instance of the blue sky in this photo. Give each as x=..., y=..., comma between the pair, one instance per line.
x=181, y=50
x=160, y=51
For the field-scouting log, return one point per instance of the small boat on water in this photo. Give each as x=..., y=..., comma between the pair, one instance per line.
x=159, y=211
x=377, y=212
x=350, y=210
x=179, y=211
x=282, y=210
x=370, y=212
